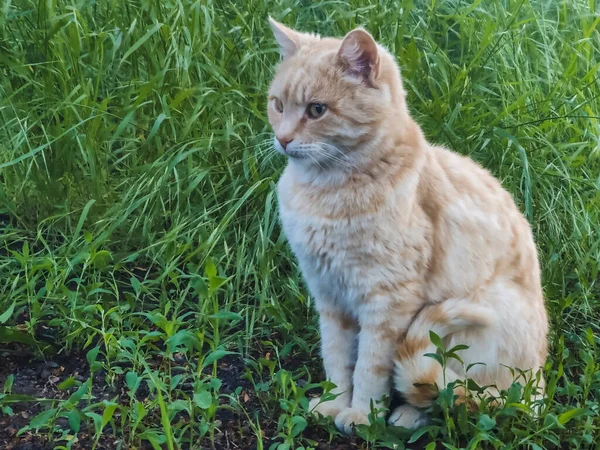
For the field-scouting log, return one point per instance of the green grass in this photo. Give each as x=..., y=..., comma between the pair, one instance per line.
x=138, y=216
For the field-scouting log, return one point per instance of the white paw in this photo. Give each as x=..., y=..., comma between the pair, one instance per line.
x=349, y=417
x=329, y=408
x=407, y=416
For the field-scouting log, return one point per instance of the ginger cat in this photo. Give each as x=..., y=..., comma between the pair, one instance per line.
x=395, y=236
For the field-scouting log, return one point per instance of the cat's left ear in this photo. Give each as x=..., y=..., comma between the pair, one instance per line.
x=288, y=39
x=359, y=55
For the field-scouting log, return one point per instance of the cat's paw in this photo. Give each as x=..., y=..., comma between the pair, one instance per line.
x=349, y=417
x=407, y=416
x=329, y=408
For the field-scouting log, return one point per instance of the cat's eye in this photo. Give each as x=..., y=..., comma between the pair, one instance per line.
x=278, y=105
x=316, y=110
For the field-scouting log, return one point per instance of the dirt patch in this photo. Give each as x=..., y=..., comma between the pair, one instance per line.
x=237, y=423
x=40, y=379
x=234, y=429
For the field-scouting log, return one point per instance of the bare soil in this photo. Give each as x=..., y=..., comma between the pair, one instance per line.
x=40, y=378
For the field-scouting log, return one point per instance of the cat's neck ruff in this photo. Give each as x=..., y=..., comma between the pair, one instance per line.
x=386, y=155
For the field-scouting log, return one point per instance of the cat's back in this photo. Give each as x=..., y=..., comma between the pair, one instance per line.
x=480, y=233
x=456, y=188
x=464, y=178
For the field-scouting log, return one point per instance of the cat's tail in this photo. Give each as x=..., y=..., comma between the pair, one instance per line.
x=419, y=377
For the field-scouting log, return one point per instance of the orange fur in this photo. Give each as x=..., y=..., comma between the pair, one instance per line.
x=400, y=235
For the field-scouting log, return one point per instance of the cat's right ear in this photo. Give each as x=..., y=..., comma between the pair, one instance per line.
x=288, y=39
x=359, y=55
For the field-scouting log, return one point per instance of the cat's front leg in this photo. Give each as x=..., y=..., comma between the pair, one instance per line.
x=381, y=325
x=338, y=346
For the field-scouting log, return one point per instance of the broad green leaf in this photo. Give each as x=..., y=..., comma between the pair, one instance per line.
x=67, y=384
x=155, y=438
x=215, y=383
x=458, y=348
x=436, y=340
x=97, y=419
x=203, y=399
x=175, y=381
x=216, y=282
x=108, y=412
x=551, y=421
x=420, y=432
x=299, y=424
x=140, y=411
x=215, y=355
x=568, y=415
x=179, y=405
x=9, y=383
x=210, y=270
x=76, y=397
x=8, y=313
x=101, y=259
x=131, y=380
x=19, y=398
x=200, y=287
x=435, y=356
x=453, y=355
x=135, y=283
x=182, y=337
x=486, y=423
x=514, y=393
x=11, y=334
x=42, y=419
x=92, y=355
x=74, y=419
x=473, y=386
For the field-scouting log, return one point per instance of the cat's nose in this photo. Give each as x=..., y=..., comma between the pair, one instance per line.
x=284, y=141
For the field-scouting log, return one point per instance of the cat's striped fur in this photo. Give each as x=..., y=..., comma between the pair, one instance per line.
x=395, y=236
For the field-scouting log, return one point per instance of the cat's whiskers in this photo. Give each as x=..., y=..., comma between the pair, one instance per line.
x=313, y=149
x=347, y=161
x=334, y=158
x=263, y=150
x=315, y=160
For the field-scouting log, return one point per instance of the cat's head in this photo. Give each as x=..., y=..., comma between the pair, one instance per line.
x=332, y=100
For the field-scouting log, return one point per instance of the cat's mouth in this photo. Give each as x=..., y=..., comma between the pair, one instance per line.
x=289, y=150
x=294, y=153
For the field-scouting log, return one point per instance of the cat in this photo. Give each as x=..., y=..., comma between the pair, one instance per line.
x=396, y=237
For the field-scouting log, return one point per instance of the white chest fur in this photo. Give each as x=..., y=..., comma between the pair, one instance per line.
x=343, y=258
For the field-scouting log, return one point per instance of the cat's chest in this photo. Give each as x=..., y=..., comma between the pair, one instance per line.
x=337, y=256
x=348, y=245
x=352, y=254
x=327, y=245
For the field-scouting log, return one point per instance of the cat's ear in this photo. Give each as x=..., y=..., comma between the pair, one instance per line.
x=359, y=55
x=288, y=39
